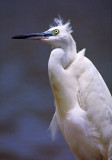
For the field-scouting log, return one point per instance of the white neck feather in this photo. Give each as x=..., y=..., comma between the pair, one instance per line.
x=64, y=55
x=60, y=59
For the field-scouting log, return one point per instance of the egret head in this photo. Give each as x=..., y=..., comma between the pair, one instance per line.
x=57, y=35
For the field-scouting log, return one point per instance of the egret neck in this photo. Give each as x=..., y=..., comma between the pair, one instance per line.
x=64, y=55
x=60, y=59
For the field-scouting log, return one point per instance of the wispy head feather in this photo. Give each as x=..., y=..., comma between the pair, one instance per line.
x=60, y=22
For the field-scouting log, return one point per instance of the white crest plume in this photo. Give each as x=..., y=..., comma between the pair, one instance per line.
x=60, y=22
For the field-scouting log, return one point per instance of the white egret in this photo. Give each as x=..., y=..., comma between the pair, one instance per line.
x=82, y=100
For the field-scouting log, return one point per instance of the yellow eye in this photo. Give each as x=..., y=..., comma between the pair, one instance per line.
x=56, y=31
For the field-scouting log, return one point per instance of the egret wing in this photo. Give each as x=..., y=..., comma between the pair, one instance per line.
x=94, y=96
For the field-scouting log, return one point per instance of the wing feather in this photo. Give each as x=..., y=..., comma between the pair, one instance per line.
x=94, y=96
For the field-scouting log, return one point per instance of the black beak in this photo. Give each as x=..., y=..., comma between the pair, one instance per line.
x=35, y=36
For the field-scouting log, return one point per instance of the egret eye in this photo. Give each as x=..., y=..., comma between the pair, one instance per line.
x=56, y=31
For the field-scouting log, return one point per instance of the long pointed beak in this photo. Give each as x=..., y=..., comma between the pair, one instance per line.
x=35, y=36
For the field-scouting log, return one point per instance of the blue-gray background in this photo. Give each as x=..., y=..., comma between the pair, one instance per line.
x=26, y=98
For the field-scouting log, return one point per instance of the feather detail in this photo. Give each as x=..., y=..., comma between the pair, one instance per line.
x=53, y=126
x=60, y=22
x=82, y=52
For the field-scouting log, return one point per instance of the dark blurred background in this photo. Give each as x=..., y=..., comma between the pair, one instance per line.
x=26, y=98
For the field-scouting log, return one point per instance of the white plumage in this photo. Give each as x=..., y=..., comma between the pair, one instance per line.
x=82, y=100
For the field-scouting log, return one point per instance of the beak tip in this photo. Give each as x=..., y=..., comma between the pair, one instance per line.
x=13, y=37
x=19, y=37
